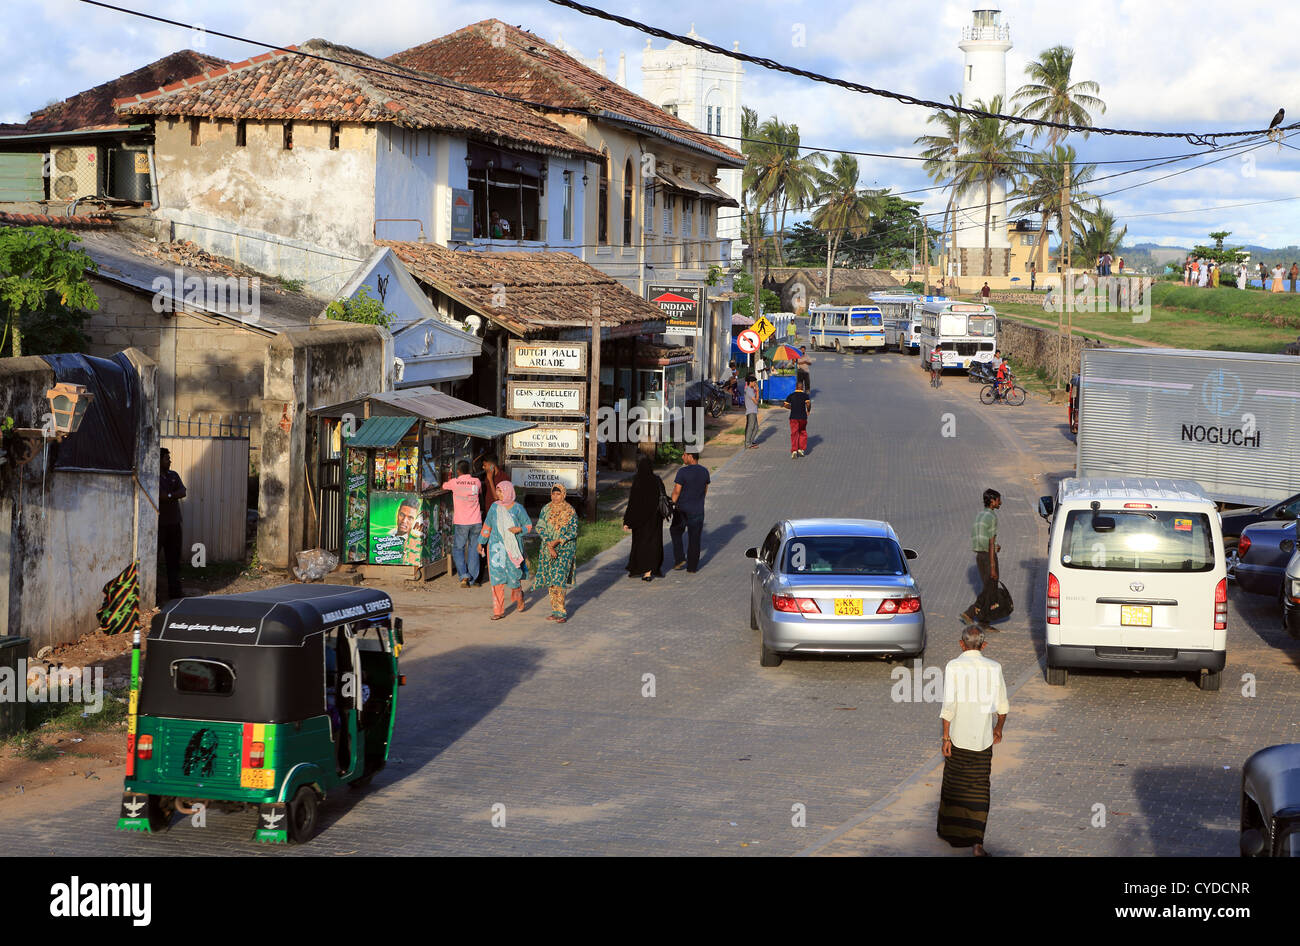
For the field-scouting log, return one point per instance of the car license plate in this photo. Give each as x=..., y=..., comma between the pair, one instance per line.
x=1135, y=615
x=848, y=606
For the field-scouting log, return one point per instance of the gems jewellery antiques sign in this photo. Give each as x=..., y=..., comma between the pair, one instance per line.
x=546, y=398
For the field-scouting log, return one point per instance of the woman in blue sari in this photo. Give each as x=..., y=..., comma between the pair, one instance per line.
x=504, y=527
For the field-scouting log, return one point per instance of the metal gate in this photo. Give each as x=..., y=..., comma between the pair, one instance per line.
x=211, y=456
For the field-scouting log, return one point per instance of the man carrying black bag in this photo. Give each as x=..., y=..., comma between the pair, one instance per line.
x=984, y=541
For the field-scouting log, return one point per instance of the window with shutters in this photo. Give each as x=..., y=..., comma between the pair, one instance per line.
x=627, y=203
x=669, y=201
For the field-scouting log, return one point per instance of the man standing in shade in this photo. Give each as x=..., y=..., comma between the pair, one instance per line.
x=688, y=500
x=974, y=691
x=984, y=541
x=170, y=492
x=751, y=412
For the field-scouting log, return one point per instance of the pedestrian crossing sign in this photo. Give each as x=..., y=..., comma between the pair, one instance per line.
x=764, y=328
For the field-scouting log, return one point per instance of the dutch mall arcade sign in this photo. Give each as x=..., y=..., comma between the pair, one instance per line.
x=546, y=398
x=548, y=358
x=682, y=306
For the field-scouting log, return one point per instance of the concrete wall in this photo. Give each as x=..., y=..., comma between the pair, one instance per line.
x=307, y=369
x=409, y=165
x=1041, y=347
x=71, y=533
x=202, y=368
x=281, y=211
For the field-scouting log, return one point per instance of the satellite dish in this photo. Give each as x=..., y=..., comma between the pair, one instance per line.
x=473, y=323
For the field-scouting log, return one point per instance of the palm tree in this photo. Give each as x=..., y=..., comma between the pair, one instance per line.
x=1039, y=190
x=938, y=150
x=1095, y=234
x=751, y=204
x=842, y=208
x=992, y=152
x=784, y=179
x=1051, y=96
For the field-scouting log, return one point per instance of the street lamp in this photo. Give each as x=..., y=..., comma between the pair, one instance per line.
x=68, y=405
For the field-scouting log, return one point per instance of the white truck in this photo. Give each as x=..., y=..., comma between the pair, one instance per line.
x=1229, y=421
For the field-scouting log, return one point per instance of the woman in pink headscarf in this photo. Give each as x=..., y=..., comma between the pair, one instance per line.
x=504, y=527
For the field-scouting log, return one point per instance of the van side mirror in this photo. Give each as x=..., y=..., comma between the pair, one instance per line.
x=910, y=554
x=1046, y=506
x=751, y=553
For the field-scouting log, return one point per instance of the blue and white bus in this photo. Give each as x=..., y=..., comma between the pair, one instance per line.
x=901, y=311
x=846, y=327
x=962, y=331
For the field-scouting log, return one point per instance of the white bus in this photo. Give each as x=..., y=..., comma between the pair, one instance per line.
x=962, y=331
x=898, y=309
x=846, y=327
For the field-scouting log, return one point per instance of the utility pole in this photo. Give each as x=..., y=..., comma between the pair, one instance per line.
x=925, y=253
x=1066, y=296
x=593, y=410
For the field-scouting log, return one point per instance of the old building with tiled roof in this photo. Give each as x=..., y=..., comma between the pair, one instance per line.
x=653, y=203
x=295, y=162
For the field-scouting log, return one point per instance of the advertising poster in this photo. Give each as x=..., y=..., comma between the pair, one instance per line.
x=683, y=306
x=397, y=528
x=437, y=516
x=356, y=511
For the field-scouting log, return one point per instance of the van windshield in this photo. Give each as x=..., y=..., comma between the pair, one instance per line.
x=1146, y=540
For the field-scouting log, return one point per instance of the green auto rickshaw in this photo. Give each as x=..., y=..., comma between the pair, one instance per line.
x=267, y=700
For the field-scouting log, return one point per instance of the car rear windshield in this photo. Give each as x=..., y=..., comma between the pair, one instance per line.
x=842, y=555
x=210, y=677
x=1143, y=540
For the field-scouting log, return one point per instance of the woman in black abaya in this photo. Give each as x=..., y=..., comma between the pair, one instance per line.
x=645, y=523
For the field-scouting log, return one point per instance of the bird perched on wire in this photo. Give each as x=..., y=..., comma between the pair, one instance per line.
x=1277, y=120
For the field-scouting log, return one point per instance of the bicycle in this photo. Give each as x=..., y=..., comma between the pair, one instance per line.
x=1010, y=392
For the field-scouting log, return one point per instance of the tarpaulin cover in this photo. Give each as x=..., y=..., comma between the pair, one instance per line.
x=106, y=438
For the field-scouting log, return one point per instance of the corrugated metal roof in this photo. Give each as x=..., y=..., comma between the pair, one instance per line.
x=382, y=432
x=486, y=427
x=423, y=401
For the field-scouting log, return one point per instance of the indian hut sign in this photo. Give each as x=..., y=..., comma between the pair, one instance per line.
x=546, y=398
x=682, y=306
x=548, y=358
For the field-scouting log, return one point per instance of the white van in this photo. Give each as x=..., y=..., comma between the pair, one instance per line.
x=1136, y=578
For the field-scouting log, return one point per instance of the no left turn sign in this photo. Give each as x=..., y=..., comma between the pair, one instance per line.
x=748, y=341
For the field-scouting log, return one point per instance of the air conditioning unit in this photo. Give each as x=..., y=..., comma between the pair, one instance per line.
x=74, y=172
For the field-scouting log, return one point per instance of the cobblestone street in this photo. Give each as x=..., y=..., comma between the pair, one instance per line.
x=556, y=724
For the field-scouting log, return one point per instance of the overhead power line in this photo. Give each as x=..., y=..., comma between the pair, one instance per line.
x=1198, y=139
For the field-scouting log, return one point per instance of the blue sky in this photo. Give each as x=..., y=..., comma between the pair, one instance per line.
x=1162, y=66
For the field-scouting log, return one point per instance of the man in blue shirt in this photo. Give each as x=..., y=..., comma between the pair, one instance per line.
x=692, y=482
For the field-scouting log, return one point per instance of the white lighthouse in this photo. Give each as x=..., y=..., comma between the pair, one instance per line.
x=984, y=76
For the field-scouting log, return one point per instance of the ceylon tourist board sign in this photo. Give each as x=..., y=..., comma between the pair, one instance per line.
x=548, y=358
x=546, y=398
x=557, y=440
x=682, y=306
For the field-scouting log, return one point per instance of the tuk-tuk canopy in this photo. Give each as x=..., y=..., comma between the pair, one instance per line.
x=273, y=617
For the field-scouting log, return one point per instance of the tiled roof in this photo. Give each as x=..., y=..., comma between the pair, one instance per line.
x=75, y=222
x=94, y=107
x=528, y=67
x=344, y=87
x=539, y=292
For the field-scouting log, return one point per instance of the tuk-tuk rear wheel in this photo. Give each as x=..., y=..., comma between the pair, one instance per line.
x=302, y=815
x=160, y=810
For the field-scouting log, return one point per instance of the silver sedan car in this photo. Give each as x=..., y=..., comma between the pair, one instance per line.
x=834, y=586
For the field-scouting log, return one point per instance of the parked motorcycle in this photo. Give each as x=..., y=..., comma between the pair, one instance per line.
x=715, y=398
x=981, y=372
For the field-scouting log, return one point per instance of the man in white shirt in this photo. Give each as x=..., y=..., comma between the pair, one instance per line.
x=974, y=691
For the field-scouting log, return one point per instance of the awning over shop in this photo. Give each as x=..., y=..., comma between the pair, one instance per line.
x=697, y=189
x=382, y=432
x=486, y=427
x=531, y=294
x=425, y=402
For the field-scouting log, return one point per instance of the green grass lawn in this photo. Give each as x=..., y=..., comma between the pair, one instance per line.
x=1170, y=328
